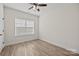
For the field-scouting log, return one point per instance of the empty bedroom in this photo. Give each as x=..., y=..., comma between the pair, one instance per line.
x=39, y=29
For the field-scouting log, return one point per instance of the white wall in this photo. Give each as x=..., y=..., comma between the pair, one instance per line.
x=10, y=15
x=1, y=10
x=1, y=27
x=59, y=24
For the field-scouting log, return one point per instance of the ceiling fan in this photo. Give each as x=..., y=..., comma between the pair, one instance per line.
x=36, y=5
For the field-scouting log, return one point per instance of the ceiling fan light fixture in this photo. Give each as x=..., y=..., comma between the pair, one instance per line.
x=33, y=7
x=36, y=5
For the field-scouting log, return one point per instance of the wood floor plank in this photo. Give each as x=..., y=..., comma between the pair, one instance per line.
x=36, y=48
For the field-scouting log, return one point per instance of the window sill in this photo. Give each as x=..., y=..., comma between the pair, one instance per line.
x=25, y=34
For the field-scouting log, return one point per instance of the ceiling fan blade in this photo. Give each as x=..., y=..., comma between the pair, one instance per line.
x=42, y=4
x=34, y=4
x=30, y=7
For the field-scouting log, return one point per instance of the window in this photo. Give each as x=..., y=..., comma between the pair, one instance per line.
x=23, y=27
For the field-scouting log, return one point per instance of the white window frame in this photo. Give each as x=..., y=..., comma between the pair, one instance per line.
x=30, y=33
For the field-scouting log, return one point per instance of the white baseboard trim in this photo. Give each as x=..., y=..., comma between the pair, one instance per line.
x=0, y=50
x=73, y=50
x=12, y=43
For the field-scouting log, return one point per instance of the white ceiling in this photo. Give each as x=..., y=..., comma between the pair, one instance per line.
x=21, y=6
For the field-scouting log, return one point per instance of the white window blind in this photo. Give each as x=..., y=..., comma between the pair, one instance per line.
x=24, y=27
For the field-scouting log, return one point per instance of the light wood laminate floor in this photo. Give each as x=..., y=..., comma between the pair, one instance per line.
x=35, y=48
